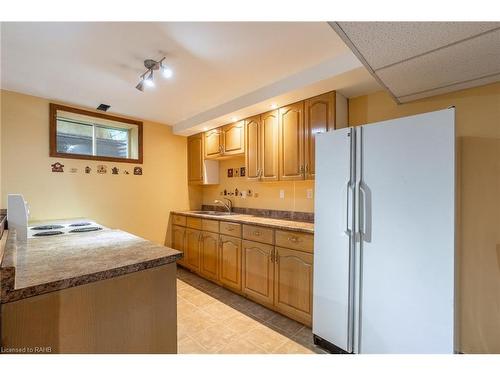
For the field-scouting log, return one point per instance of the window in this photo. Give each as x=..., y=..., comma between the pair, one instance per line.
x=87, y=135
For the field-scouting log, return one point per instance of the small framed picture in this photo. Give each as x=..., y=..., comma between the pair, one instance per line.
x=230, y=172
x=242, y=171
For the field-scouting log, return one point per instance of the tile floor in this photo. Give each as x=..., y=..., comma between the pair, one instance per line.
x=212, y=320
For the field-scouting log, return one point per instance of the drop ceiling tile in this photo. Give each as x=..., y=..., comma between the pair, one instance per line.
x=471, y=59
x=384, y=43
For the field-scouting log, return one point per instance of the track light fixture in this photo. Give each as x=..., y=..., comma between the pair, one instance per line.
x=147, y=76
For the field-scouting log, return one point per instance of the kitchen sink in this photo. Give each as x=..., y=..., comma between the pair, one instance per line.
x=214, y=213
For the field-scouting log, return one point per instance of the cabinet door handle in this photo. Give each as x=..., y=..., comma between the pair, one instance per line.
x=271, y=258
x=307, y=168
x=277, y=258
x=293, y=239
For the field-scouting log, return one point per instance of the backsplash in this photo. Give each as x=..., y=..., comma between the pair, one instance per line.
x=273, y=214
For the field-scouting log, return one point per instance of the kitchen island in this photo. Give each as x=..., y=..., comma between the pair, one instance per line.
x=98, y=292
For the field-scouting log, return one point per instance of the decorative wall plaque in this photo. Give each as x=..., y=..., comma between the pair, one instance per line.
x=242, y=172
x=57, y=167
x=138, y=171
x=102, y=169
x=230, y=172
x=114, y=170
x=87, y=169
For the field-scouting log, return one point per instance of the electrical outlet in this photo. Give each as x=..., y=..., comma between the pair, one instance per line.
x=282, y=194
x=309, y=193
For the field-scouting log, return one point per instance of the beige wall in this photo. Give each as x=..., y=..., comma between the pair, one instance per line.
x=137, y=204
x=478, y=226
x=268, y=192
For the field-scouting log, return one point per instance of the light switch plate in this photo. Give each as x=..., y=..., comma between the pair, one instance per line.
x=282, y=194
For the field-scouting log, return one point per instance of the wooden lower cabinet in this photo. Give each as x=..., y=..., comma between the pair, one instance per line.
x=293, y=283
x=178, y=239
x=192, y=248
x=230, y=262
x=277, y=277
x=258, y=271
x=209, y=248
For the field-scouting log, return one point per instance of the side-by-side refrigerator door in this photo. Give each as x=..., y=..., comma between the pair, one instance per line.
x=407, y=205
x=332, y=239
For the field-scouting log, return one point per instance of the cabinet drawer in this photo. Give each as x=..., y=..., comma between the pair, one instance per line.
x=231, y=229
x=295, y=240
x=193, y=222
x=210, y=225
x=259, y=234
x=179, y=220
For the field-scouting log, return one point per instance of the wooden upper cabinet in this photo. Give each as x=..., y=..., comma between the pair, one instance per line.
x=269, y=140
x=233, y=135
x=293, y=283
x=209, y=259
x=291, y=146
x=230, y=261
x=213, y=143
x=195, y=158
x=319, y=118
x=252, y=141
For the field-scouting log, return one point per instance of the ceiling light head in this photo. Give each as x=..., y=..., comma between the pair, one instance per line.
x=149, y=81
x=140, y=85
x=166, y=71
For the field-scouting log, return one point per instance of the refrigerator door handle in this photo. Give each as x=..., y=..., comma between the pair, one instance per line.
x=345, y=211
x=365, y=215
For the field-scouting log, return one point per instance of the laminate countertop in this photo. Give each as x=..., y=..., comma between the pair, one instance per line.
x=47, y=264
x=297, y=226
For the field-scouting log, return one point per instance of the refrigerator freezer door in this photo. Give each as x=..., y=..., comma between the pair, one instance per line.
x=331, y=297
x=407, y=251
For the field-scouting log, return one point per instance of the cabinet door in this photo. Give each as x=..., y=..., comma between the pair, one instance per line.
x=269, y=140
x=213, y=144
x=230, y=261
x=319, y=118
x=195, y=158
x=293, y=284
x=291, y=137
x=178, y=238
x=209, y=250
x=258, y=271
x=192, y=246
x=252, y=141
x=234, y=138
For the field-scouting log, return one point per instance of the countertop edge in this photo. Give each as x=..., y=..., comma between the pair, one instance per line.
x=250, y=220
x=10, y=294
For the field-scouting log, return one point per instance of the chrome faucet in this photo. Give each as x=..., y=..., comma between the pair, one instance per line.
x=228, y=206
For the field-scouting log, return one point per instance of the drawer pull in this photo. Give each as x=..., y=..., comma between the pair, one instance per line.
x=293, y=239
x=230, y=229
x=256, y=233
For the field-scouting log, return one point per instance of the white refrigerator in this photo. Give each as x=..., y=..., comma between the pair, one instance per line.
x=384, y=241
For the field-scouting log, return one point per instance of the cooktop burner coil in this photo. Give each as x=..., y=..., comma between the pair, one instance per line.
x=87, y=229
x=48, y=233
x=48, y=227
